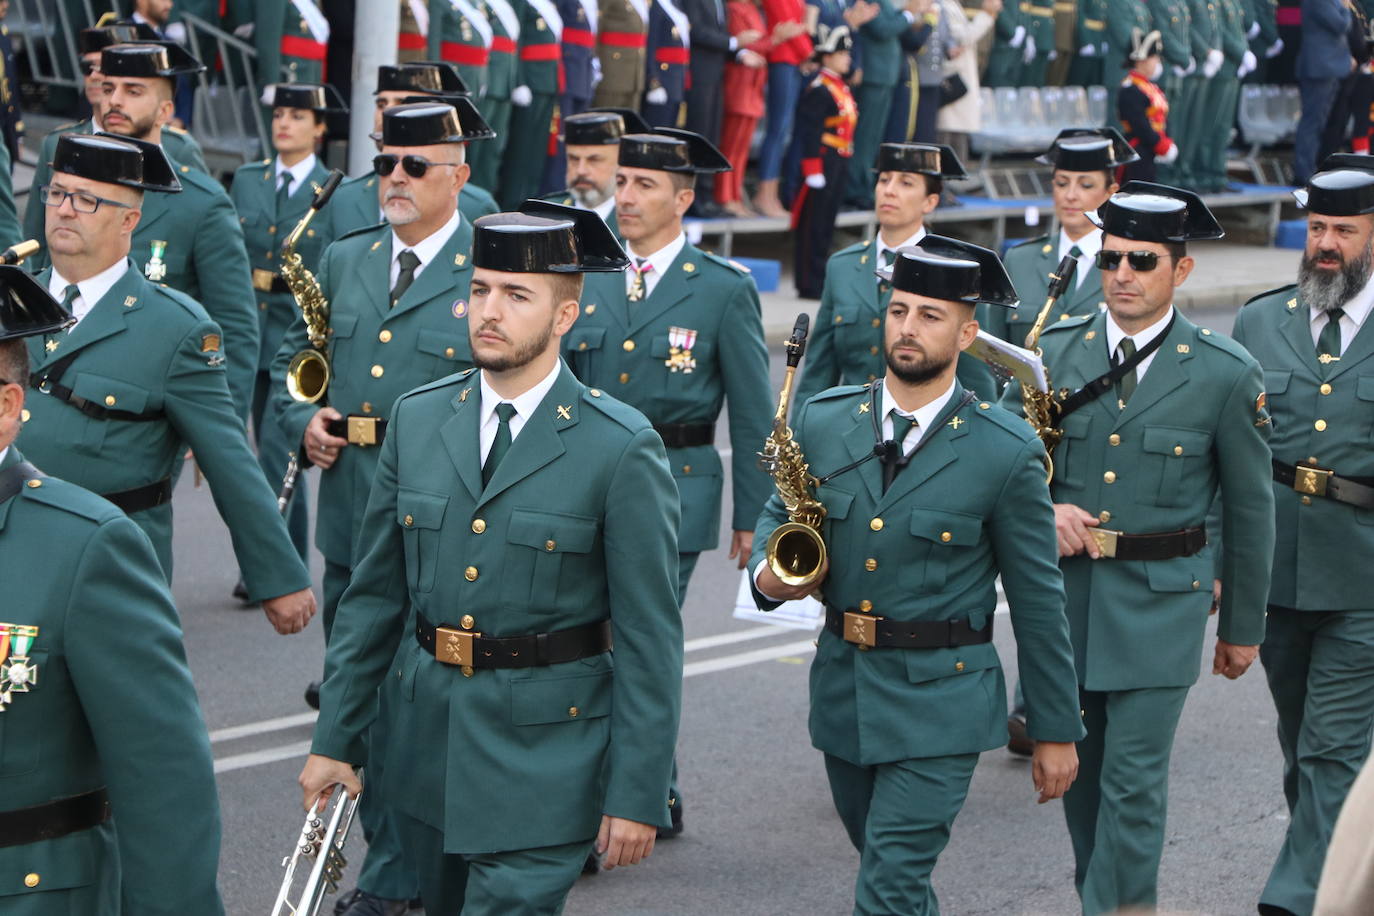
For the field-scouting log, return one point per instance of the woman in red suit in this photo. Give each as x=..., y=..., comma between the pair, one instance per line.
x=745, y=78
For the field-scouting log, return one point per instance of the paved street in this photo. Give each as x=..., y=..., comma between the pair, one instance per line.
x=762, y=837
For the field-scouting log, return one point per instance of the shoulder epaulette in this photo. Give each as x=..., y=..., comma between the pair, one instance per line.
x=839, y=391
x=1038, y=240
x=438, y=384
x=198, y=179
x=187, y=303
x=1225, y=344
x=176, y=130
x=59, y=494
x=1067, y=321
x=734, y=266
x=614, y=409
x=856, y=248
x=999, y=416
x=1271, y=292
x=364, y=230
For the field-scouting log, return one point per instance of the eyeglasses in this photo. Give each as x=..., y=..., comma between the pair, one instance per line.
x=1139, y=261
x=415, y=166
x=81, y=201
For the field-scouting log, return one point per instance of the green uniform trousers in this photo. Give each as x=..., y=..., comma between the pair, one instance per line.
x=1004, y=66
x=1188, y=122
x=1320, y=667
x=1222, y=96
x=525, y=882
x=1116, y=807
x=526, y=152
x=874, y=103
x=898, y=816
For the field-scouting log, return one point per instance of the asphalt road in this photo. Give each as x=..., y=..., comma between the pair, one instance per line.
x=762, y=837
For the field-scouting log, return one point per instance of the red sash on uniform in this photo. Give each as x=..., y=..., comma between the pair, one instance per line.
x=625, y=39
x=464, y=55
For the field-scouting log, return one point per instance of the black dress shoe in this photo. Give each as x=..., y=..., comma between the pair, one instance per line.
x=359, y=902
x=241, y=593
x=675, y=812
x=312, y=695
x=593, y=864
x=1020, y=743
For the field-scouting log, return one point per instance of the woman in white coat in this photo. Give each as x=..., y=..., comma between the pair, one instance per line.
x=964, y=115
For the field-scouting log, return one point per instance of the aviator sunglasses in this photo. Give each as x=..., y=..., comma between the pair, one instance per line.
x=415, y=166
x=1139, y=261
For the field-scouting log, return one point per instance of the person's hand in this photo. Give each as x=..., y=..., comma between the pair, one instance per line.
x=752, y=59
x=624, y=842
x=521, y=96
x=1054, y=767
x=1212, y=64
x=1018, y=37
x=1170, y=155
x=856, y=76
x=1053, y=55
x=772, y=587
x=1232, y=660
x=1251, y=32
x=1274, y=50
x=290, y=613
x=816, y=181
x=320, y=447
x=1179, y=72
x=1192, y=66
x=741, y=543
x=861, y=13
x=1247, y=64
x=748, y=36
x=656, y=96
x=319, y=777
x=1071, y=524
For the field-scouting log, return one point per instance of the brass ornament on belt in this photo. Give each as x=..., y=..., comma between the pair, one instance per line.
x=307, y=377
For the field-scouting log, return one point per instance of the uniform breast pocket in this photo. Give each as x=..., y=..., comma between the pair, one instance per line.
x=21, y=748
x=420, y=515
x=583, y=350
x=1364, y=391
x=341, y=329
x=543, y=546
x=837, y=503
x=851, y=329
x=939, y=536
x=451, y=349
x=111, y=393
x=1070, y=455
x=1170, y=452
x=683, y=371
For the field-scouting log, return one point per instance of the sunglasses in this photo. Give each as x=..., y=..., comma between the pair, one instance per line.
x=1140, y=261
x=415, y=166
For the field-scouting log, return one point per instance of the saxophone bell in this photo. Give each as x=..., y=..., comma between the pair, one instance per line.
x=307, y=377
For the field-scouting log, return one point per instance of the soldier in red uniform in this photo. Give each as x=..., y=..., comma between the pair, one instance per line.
x=1143, y=109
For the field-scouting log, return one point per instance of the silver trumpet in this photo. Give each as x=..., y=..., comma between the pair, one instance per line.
x=321, y=845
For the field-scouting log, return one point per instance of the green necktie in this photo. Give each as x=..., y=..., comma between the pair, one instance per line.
x=68, y=297
x=1128, y=381
x=1075, y=252
x=408, y=260
x=1329, y=342
x=501, y=444
x=900, y=427
x=283, y=192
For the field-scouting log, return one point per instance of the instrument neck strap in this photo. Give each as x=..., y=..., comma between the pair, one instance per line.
x=12, y=479
x=1105, y=382
x=887, y=451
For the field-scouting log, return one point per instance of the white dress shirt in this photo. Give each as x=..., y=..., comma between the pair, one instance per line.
x=1115, y=335
x=525, y=405
x=90, y=291
x=884, y=247
x=1356, y=311
x=606, y=208
x=1089, y=245
x=299, y=173
x=425, y=250
x=3, y=452
x=660, y=260
x=924, y=416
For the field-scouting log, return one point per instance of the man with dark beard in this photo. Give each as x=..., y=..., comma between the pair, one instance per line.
x=906, y=688
x=1318, y=654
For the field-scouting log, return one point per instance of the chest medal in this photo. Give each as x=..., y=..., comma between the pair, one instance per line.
x=680, y=343
x=156, y=268
x=17, y=673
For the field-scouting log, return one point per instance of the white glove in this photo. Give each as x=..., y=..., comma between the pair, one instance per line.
x=1192, y=66
x=1213, y=63
x=1018, y=36
x=816, y=181
x=1251, y=32
x=244, y=31
x=1028, y=52
x=656, y=96
x=1180, y=72
x=1087, y=51
x=1275, y=49
x=596, y=72
x=1247, y=64
x=1170, y=156
x=521, y=96
x=1053, y=55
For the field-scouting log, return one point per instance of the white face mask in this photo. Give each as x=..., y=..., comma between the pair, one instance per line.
x=1157, y=72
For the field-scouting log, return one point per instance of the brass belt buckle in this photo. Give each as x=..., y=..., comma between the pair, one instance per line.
x=362, y=431
x=262, y=279
x=453, y=647
x=1106, y=540
x=1311, y=481
x=861, y=629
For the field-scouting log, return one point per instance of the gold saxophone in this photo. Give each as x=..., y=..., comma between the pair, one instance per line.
x=1042, y=410
x=307, y=377
x=795, y=550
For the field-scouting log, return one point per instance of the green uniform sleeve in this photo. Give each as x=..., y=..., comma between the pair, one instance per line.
x=744, y=365
x=226, y=291
x=10, y=232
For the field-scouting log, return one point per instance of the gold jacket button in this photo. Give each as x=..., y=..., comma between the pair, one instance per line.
x=550, y=545
x=958, y=666
x=385, y=336
x=594, y=392
x=873, y=351
x=686, y=469
x=31, y=879
x=409, y=520
x=377, y=371
x=870, y=564
x=582, y=345
x=1325, y=388
x=467, y=622
x=1104, y=516
x=109, y=400
x=839, y=319
x=1320, y=425
x=1196, y=583
x=946, y=536
x=591, y=309
x=1178, y=450
x=624, y=377
x=1307, y=500
x=1113, y=439
x=876, y=524
x=1109, y=477
x=877, y=322
x=628, y=345
x=467, y=670
x=34, y=484
x=865, y=605
x=448, y=351
x=573, y=711
x=479, y=525
x=367, y=407
x=470, y=574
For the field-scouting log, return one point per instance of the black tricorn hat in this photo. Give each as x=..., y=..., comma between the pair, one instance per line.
x=148, y=60
x=1149, y=212
x=26, y=308
x=118, y=32
x=428, y=76
x=115, y=159
x=543, y=238
x=594, y=128
x=934, y=159
x=1343, y=187
x=309, y=96
x=634, y=121
x=1088, y=149
x=671, y=150
x=475, y=127
x=423, y=124
x=945, y=268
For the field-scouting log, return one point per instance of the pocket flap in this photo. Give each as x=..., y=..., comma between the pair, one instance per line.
x=932, y=664
x=546, y=700
x=1276, y=380
x=1176, y=440
x=418, y=509
x=945, y=527
x=1364, y=388
x=342, y=325
x=445, y=344
x=1182, y=574
x=836, y=501
x=111, y=393
x=552, y=532
x=586, y=338
x=59, y=864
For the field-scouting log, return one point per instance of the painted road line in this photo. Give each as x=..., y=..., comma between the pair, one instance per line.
x=264, y=756
x=233, y=733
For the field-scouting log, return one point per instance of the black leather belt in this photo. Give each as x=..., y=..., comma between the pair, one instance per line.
x=685, y=435
x=469, y=649
x=1311, y=480
x=358, y=430
x=868, y=631
x=1166, y=545
x=141, y=498
x=54, y=819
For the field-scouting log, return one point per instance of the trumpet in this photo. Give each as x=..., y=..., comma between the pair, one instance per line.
x=795, y=550
x=323, y=845
x=1042, y=409
x=307, y=377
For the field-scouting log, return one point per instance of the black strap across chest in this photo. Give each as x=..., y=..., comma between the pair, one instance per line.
x=1105, y=382
x=12, y=479
x=48, y=381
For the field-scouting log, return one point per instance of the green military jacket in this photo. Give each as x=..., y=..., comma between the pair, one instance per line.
x=1030, y=265
x=10, y=231
x=971, y=505
x=1204, y=31
x=1321, y=417
x=151, y=350
x=537, y=70
x=1232, y=25
x=254, y=195
x=287, y=49
x=1174, y=19
x=626, y=348
x=1121, y=17
x=577, y=525
x=112, y=706
x=1092, y=25
x=565, y=198
x=882, y=52
x=354, y=205
x=846, y=345
x=376, y=354
x=454, y=39
x=501, y=66
x=1194, y=428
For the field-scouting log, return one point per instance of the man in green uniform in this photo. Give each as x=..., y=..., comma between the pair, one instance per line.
x=847, y=346
x=560, y=502
x=1035, y=61
x=141, y=376
x=1164, y=417
x=291, y=38
x=906, y=687
x=86, y=604
x=592, y=141
x=1188, y=118
x=1317, y=348
x=495, y=105
x=1173, y=19
x=1122, y=18
x=1216, y=113
x=883, y=62
x=1090, y=36
x=1008, y=40
x=535, y=97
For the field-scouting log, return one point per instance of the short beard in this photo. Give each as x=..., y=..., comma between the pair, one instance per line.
x=404, y=219
x=920, y=373
x=1328, y=290
x=590, y=199
x=139, y=130
x=524, y=354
